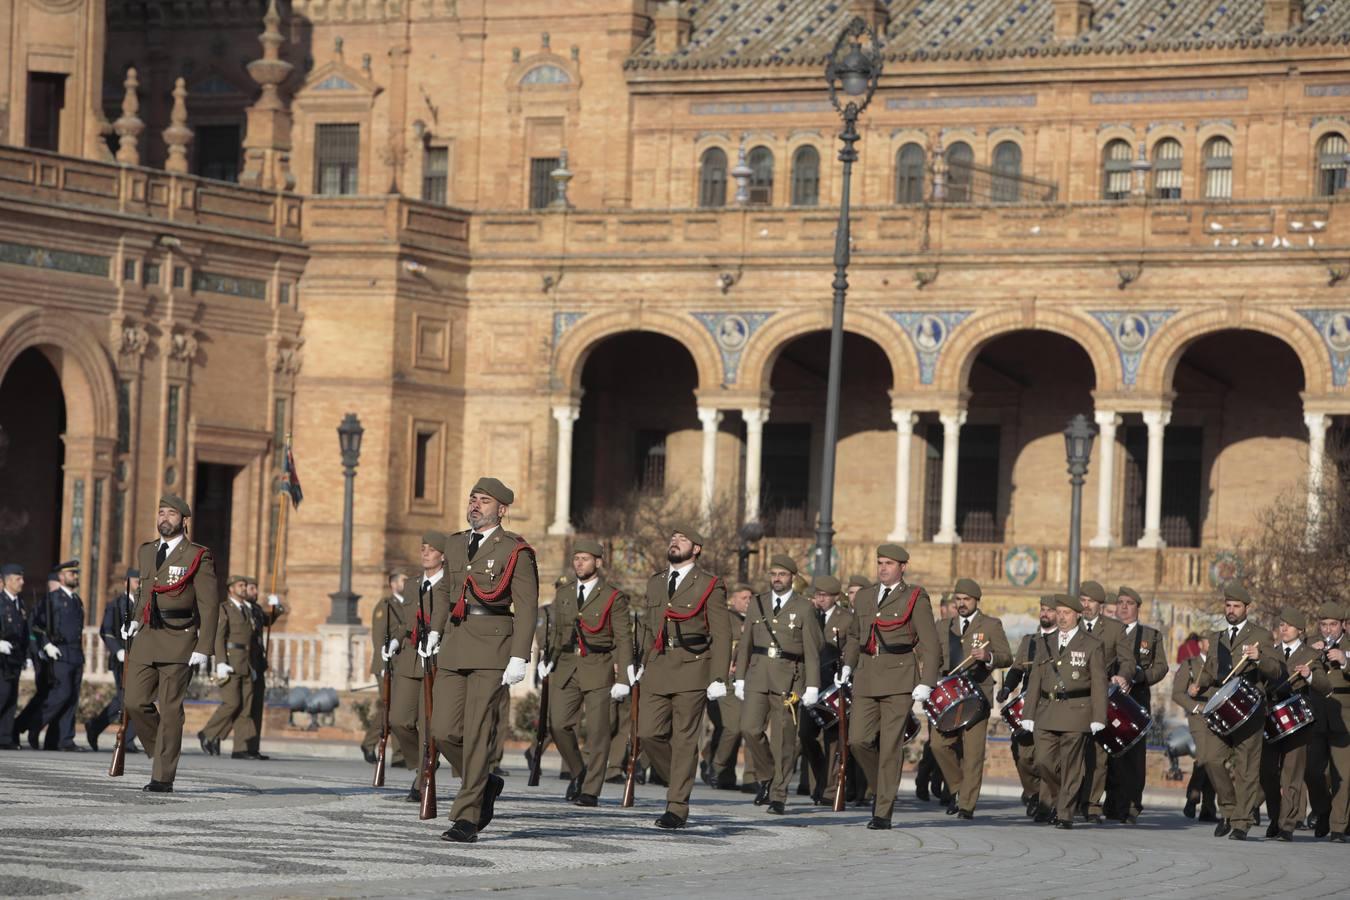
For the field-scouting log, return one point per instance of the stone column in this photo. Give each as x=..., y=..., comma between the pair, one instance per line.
x=1156, y=420
x=1107, y=422
x=711, y=418
x=1317, y=442
x=754, y=451
x=566, y=416
x=951, y=445
x=904, y=421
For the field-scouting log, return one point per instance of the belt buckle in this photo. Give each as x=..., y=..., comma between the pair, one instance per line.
x=775, y=653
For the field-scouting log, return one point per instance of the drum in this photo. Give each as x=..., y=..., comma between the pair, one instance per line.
x=911, y=728
x=955, y=702
x=1233, y=704
x=1288, y=716
x=826, y=711
x=1012, y=714
x=1126, y=722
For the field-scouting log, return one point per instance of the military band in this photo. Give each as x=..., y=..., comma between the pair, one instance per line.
x=1125, y=773
x=1022, y=742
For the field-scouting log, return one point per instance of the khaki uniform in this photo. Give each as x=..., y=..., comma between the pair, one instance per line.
x=1119, y=661
x=961, y=753
x=158, y=660
x=1024, y=745
x=1066, y=693
x=407, y=708
x=724, y=744
x=1337, y=709
x=1194, y=707
x=819, y=745
x=1285, y=762
x=695, y=651
x=382, y=628
x=585, y=646
x=884, y=677
x=234, y=636
x=778, y=655
x=1126, y=773
x=263, y=618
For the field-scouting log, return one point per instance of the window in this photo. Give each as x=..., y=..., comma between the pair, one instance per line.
x=909, y=166
x=435, y=173
x=761, y=176
x=541, y=185
x=1116, y=170
x=422, y=454
x=712, y=178
x=1167, y=169
x=1007, y=172
x=123, y=416
x=337, y=152
x=1331, y=164
x=171, y=423
x=46, y=99
x=150, y=273
x=649, y=460
x=960, y=158
x=805, y=177
x=129, y=270
x=1218, y=169
x=217, y=148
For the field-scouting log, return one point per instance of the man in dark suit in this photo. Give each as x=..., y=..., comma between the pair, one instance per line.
x=13, y=650
x=115, y=616
x=58, y=630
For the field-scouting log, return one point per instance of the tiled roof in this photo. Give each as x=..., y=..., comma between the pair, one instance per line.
x=730, y=33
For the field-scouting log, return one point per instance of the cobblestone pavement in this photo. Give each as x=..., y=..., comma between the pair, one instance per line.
x=308, y=827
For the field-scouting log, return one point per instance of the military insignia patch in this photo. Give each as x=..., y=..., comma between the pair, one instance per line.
x=1077, y=658
x=177, y=572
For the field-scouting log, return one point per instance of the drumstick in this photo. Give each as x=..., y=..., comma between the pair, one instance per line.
x=1242, y=662
x=965, y=662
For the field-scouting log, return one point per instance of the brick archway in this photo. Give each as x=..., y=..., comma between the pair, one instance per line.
x=89, y=384
x=970, y=337
x=579, y=341
x=757, y=361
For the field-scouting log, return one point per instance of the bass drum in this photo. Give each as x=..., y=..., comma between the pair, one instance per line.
x=1287, y=717
x=1233, y=704
x=955, y=702
x=1126, y=722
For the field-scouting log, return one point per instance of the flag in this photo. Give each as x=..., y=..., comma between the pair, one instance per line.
x=290, y=479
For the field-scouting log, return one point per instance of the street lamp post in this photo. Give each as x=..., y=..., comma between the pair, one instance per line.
x=1078, y=448
x=343, y=611
x=854, y=75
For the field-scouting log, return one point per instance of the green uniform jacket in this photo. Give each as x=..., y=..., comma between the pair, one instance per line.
x=611, y=646
x=1289, y=683
x=1020, y=673
x=234, y=636
x=1118, y=653
x=883, y=674
x=793, y=630
x=392, y=619
x=1268, y=665
x=984, y=629
x=1079, y=671
x=1193, y=707
x=1337, y=703
x=486, y=641
x=1146, y=648
x=199, y=598
x=703, y=654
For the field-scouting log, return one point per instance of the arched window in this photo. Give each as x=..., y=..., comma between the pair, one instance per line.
x=805, y=177
x=1116, y=170
x=712, y=178
x=1331, y=165
x=760, y=161
x=960, y=158
x=1167, y=169
x=909, y=167
x=1218, y=168
x=546, y=74
x=1007, y=172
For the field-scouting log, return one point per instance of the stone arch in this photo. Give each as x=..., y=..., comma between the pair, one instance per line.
x=1164, y=352
x=586, y=335
x=968, y=338
x=760, y=354
x=89, y=384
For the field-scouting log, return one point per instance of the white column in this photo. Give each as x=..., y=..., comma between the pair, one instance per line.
x=710, y=418
x=754, y=452
x=951, y=445
x=1156, y=420
x=904, y=441
x=566, y=416
x=1107, y=422
x=1317, y=443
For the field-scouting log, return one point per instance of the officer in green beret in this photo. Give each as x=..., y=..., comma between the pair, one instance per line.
x=1284, y=763
x=1119, y=661
x=1329, y=743
x=820, y=743
x=234, y=679
x=1125, y=774
x=408, y=634
x=386, y=624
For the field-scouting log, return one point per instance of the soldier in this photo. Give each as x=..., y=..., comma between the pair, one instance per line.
x=971, y=635
x=686, y=644
x=1126, y=773
x=856, y=583
x=1326, y=631
x=1284, y=775
x=620, y=740
x=384, y=627
x=172, y=630
x=892, y=643
x=1241, y=642
x=1200, y=789
x=1337, y=709
x=724, y=745
x=30, y=718
x=928, y=780
x=1022, y=743
x=13, y=650
x=234, y=677
x=486, y=610
x=263, y=620
x=1119, y=658
x=777, y=667
x=408, y=633
x=819, y=744
x=58, y=629
x=115, y=615
x=1066, y=692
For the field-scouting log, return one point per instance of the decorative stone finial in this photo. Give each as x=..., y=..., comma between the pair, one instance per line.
x=267, y=142
x=129, y=126
x=561, y=176
x=177, y=136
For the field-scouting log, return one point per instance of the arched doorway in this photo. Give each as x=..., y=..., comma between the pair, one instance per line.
x=33, y=416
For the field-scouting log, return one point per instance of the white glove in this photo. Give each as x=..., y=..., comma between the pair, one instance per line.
x=515, y=671
x=740, y=689
x=433, y=643
x=922, y=692
x=51, y=650
x=635, y=675
x=388, y=650
x=197, y=660
x=810, y=696
x=842, y=676
x=619, y=691
x=121, y=656
x=129, y=630
x=544, y=669
x=1028, y=726
x=6, y=648
x=1096, y=727
x=717, y=690
x=224, y=670
x=273, y=600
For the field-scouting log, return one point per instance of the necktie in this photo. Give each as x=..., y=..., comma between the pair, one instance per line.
x=884, y=594
x=1232, y=635
x=581, y=595
x=820, y=618
x=674, y=578
x=426, y=585
x=1287, y=651
x=965, y=623
x=777, y=604
x=1089, y=627
x=161, y=553
x=474, y=540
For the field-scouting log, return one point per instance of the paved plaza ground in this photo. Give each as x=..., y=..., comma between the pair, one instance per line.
x=312, y=827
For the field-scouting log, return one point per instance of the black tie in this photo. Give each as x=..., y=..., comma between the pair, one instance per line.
x=581, y=595
x=670, y=591
x=884, y=594
x=777, y=604
x=426, y=586
x=965, y=623
x=1089, y=627
x=1232, y=636
x=820, y=617
x=160, y=554
x=474, y=540
x=1287, y=651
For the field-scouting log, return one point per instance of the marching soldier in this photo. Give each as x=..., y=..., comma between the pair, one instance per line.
x=1337, y=708
x=1126, y=773
x=970, y=635
x=1200, y=789
x=724, y=745
x=234, y=676
x=1066, y=695
x=385, y=626
x=892, y=644
x=1287, y=759
x=172, y=630
x=1321, y=738
x=819, y=744
x=1119, y=658
x=928, y=780
x=590, y=637
x=263, y=620
x=620, y=740
x=408, y=633
x=1022, y=743
x=777, y=668
x=1241, y=642
x=115, y=615
x=481, y=630
x=58, y=630
x=13, y=650
x=856, y=583
x=686, y=654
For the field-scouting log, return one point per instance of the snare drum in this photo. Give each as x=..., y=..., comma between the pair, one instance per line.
x=1288, y=716
x=955, y=702
x=826, y=711
x=1126, y=722
x=1235, y=703
x=1012, y=714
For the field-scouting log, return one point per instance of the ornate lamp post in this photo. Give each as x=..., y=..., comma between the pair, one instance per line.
x=344, y=601
x=1078, y=449
x=852, y=71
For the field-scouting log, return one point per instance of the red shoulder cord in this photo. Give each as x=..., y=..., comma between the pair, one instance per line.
x=604, y=621
x=659, y=645
x=176, y=587
x=890, y=624
x=461, y=605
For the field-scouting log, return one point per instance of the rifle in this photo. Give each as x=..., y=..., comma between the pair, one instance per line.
x=428, y=809
x=378, y=781
x=841, y=780
x=119, y=756
x=634, y=743
x=541, y=730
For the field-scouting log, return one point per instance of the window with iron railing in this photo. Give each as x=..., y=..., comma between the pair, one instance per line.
x=960, y=158
x=909, y=174
x=1007, y=172
x=1116, y=170
x=760, y=161
x=1331, y=164
x=541, y=182
x=712, y=178
x=1167, y=169
x=1218, y=169
x=337, y=156
x=435, y=174
x=805, y=177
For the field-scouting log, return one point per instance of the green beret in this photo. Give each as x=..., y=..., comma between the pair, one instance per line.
x=893, y=551
x=1331, y=611
x=249, y=579
x=740, y=586
x=1047, y=601
x=494, y=489
x=235, y=579
x=586, y=545
x=1093, y=591
x=1071, y=602
x=1126, y=591
x=689, y=531
x=968, y=586
x=1295, y=617
x=858, y=581
x=783, y=561
x=435, y=540
x=175, y=502
x=827, y=584
x=1234, y=590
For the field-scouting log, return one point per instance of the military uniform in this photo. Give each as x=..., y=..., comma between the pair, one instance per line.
x=724, y=742
x=116, y=614
x=264, y=617
x=407, y=625
x=59, y=622
x=1126, y=773
x=234, y=638
x=1337, y=709
x=961, y=753
x=1119, y=661
x=1284, y=763
x=1201, y=787
x=620, y=740
x=385, y=624
x=1023, y=744
x=819, y=745
x=14, y=632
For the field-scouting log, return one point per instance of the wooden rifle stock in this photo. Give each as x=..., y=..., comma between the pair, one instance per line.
x=841, y=779
x=378, y=780
x=428, y=805
x=634, y=748
x=119, y=756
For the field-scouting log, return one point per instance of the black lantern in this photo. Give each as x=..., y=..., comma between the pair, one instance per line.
x=349, y=440
x=343, y=611
x=1078, y=438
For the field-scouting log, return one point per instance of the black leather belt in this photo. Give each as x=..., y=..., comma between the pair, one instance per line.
x=475, y=609
x=177, y=613
x=700, y=639
x=776, y=653
x=229, y=646
x=1066, y=695
x=895, y=649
